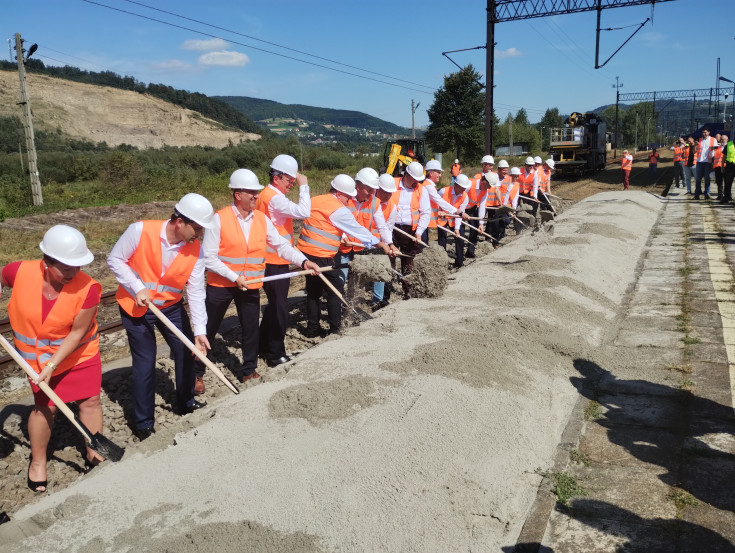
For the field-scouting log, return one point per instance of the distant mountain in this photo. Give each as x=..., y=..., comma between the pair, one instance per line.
x=261, y=110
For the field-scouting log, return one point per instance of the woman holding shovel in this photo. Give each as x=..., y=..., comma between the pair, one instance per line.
x=53, y=311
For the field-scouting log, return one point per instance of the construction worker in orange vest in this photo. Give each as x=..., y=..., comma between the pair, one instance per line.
x=386, y=189
x=456, y=170
x=153, y=261
x=728, y=149
x=433, y=175
x=413, y=213
x=284, y=175
x=653, y=163
x=704, y=154
x=528, y=180
x=494, y=198
x=473, y=206
x=235, y=252
x=319, y=240
x=718, y=164
x=678, y=148
x=544, y=183
x=626, y=164
x=510, y=196
x=455, y=195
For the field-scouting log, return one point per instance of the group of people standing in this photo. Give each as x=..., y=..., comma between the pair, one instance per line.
x=228, y=256
x=700, y=159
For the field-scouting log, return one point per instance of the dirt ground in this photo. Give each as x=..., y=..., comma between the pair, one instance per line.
x=65, y=450
x=101, y=113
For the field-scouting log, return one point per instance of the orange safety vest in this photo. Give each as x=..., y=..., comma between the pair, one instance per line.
x=456, y=169
x=508, y=191
x=240, y=255
x=415, y=202
x=147, y=261
x=434, y=213
x=387, y=209
x=446, y=195
x=717, y=161
x=653, y=158
x=285, y=230
x=626, y=164
x=37, y=340
x=699, y=147
x=526, y=180
x=365, y=216
x=544, y=180
x=319, y=237
x=678, y=153
x=473, y=192
x=492, y=196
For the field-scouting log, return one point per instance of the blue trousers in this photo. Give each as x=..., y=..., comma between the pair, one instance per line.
x=702, y=168
x=142, y=341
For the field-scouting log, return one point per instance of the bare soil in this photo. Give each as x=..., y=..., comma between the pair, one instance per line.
x=104, y=114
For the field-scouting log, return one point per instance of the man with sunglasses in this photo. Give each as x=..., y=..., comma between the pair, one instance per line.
x=235, y=252
x=281, y=211
x=153, y=261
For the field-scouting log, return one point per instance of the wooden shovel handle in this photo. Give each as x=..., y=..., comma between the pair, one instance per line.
x=410, y=236
x=23, y=364
x=445, y=229
x=188, y=343
x=331, y=287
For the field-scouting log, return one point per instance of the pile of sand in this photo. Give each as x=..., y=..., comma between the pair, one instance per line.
x=428, y=278
x=371, y=268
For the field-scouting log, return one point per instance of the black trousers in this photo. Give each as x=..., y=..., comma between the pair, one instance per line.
x=406, y=246
x=719, y=179
x=678, y=172
x=247, y=303
x=472, y=237
x=726, y=195
x=458, y=244
x=315, y=287
x=274, y=323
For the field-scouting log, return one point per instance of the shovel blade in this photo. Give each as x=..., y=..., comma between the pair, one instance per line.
x=105, y=447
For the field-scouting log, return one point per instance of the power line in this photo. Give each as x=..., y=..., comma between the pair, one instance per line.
x=276, y=44
x=255, y=47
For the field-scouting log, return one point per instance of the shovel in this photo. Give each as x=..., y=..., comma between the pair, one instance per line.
x=96, y=442
x=181, y=336
x=483, y=233
x=411, y=236
x=445, y=229
x=362, y=315
x=288, y=275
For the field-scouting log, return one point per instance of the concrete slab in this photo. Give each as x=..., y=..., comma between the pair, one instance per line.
x=611, y=444
x=641, y=410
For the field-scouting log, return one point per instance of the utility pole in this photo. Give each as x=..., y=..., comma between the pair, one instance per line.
x=413, y=111
x=28, y=124
x=510, y=133
x=617, y=86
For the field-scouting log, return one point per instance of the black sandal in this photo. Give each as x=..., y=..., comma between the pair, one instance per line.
x=89, y=465
x=34, y=486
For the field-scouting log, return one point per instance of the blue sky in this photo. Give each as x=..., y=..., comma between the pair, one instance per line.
x=540, y=63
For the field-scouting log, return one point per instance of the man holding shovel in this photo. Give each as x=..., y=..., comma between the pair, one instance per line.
x=320, y=239
x=384, y=193
x=153, y=261
x=235, y=251
x=456, y=196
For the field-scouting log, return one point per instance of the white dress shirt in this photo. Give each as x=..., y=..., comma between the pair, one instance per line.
x=210, y=244
x=343, y=219
x=462, y=207
x=435, y=197
x=280, y=208
x=124, y=250
x=386, y=234
x=404, y=208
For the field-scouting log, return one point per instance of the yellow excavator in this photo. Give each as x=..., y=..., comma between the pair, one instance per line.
x=399, y=153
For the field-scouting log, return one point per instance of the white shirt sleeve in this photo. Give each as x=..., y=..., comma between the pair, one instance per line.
x=424, y=212
x=535, y=185
x=435, y=197
x=281, y=204
x=121, y=254
x=343, y=219
x=283, y=247
x=210, y=248
x=195, y=295
x=482, y=203
x=386, y=233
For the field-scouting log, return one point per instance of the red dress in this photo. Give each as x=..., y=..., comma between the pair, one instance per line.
x=83, y=380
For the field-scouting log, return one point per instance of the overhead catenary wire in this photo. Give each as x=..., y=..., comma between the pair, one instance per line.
x=203, y=33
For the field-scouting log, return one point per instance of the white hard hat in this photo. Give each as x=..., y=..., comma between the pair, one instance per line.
x=387, y=182
x=285, y=164
x=345, y=184
x=462, y=180
x=433, y=165
x=491, y=178
x=368, y=176
x=549, y=162
x=502, y=163
x=488, y=159
x=530, y=161
x=515, y=171
x=415, y=170
x=456, y=161
x=197, y=208
x=244, y=179
x=538, y=160
x=66, y=245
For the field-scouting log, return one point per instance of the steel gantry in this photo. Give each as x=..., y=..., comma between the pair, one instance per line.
x=500, y=11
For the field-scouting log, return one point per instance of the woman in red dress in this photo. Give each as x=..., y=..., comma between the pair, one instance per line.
x=53, y=314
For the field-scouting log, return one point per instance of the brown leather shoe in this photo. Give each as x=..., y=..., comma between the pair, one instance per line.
x=199, y=386
x=253, y=376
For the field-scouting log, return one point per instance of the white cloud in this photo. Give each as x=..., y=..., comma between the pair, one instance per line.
x=171, y=65
x=509, y=53
x=652, y=38
x=204, y=45
x=224, y=58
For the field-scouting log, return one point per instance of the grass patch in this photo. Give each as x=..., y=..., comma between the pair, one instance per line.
x=686, y=384
x=691, y=340
x=686, y=271
x=681, y=499
x=684, y=369
x=580, y=458
x=593, y=411
x=564, y=486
